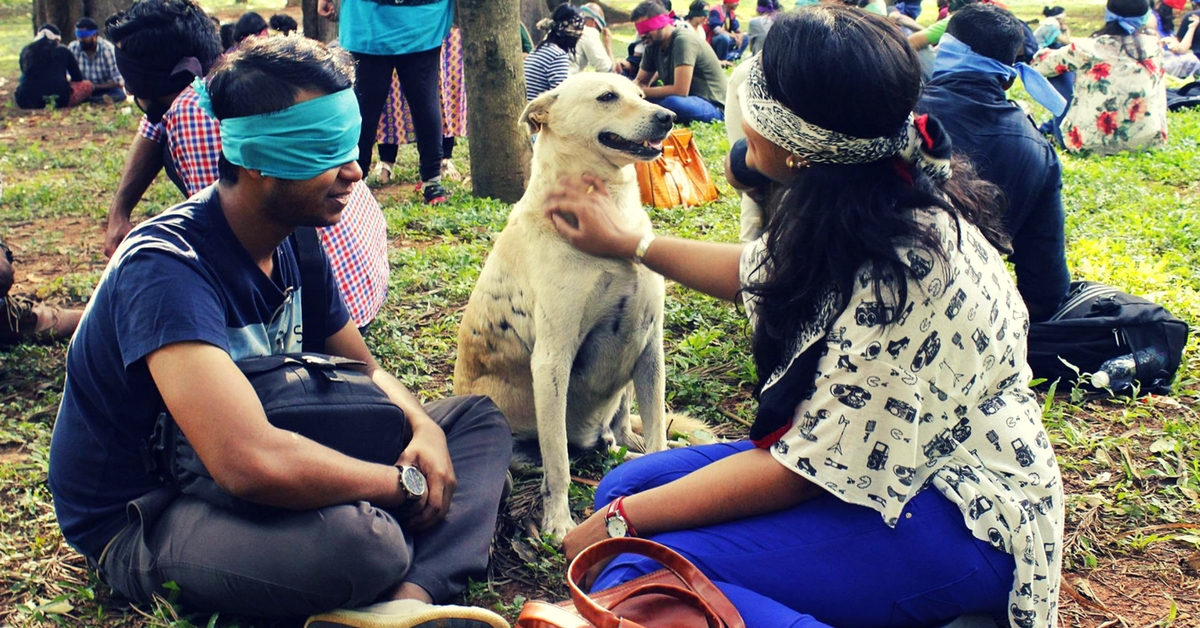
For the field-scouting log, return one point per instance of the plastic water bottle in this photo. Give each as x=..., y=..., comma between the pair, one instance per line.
x=1119, y=373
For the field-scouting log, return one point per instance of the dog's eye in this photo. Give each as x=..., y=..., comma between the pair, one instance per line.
x=607, y=97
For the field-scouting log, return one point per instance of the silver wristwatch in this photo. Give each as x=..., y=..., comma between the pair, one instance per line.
x=412, y=482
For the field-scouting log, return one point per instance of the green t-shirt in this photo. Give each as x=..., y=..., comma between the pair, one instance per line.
x=936, y=30
x=708, y=79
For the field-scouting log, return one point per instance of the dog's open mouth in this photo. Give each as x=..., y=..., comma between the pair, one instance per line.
x=645, y=149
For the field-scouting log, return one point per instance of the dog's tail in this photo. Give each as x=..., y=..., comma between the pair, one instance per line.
x=682, y=430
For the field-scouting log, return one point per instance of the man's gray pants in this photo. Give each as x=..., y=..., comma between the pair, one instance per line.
x=303, y=563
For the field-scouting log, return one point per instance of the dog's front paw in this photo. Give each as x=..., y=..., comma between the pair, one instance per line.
x=556, y=519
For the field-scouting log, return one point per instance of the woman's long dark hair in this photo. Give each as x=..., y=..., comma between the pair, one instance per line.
x=832, y=219
x=1131, y=43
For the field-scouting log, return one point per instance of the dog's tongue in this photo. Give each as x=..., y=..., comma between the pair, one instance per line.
x=654, y=145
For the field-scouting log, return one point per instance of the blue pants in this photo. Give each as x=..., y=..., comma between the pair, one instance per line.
x=825, y=562
x=691, y=109
x=726, y=50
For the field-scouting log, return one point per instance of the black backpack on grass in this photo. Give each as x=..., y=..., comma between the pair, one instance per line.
x=1097, y=323
x=1185, y=97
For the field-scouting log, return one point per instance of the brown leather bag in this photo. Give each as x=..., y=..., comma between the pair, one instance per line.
x=678, y=176
x=677, y=596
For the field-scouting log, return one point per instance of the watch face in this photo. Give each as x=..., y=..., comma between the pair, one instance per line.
x=414, y=482
x=616, y=527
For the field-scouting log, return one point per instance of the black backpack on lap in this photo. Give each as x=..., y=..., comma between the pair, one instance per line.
x=321, y=397
x=1097, y=323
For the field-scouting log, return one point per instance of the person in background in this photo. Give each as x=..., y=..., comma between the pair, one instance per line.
x=1184, y=24
x=1120, y=98
x=693, y=81
x=50, y=75
x=594, y=49
x=1053, y=31
x=396, y=124
x=943, y=7
x=976, y=63
x=697, y=16
x=162, y=46
x=870, y=492
x=97, y=61
x=404, y=39
x=930, y=36
x=767, y=10
x=1178, y=59
x=283, y=24
x=724, y=31
x=550, y=62
x=250, y=24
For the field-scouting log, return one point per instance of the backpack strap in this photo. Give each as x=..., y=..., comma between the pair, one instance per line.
x=314, y=294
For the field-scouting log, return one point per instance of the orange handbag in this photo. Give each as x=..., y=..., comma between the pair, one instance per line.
x=678, y=176
x=677, y=596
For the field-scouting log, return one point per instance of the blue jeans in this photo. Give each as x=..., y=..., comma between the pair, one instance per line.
x=726, y=50
x=691, y=109
x=825, y=562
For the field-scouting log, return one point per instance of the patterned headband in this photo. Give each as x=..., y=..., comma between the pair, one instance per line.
x=570, y=27
x=919, y=141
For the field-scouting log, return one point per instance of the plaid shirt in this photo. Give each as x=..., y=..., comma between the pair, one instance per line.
x=99, y=69
x=356, y=246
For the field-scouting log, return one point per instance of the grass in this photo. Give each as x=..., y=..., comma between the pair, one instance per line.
x=1131, y=468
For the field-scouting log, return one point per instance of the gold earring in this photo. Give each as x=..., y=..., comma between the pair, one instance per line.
x=796, y=162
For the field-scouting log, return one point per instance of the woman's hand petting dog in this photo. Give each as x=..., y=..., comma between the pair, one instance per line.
x=582, y=212
x=428, y=452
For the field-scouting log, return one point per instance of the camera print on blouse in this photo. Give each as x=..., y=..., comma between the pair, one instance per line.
x=934, y=392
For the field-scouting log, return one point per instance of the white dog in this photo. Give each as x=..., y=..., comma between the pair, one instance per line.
x=555, y=336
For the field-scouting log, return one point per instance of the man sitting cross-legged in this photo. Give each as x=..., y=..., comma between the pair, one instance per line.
x=214, y=280
x=693, y=81
x=974, y=67
x=161, y=46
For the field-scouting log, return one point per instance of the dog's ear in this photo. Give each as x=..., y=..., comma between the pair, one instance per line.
x=537, y=112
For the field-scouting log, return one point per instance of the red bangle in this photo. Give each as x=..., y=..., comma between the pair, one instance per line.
x=618, y=506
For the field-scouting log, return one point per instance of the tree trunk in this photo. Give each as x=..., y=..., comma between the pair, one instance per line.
x=101, y=10
x=315, y=26
x=495, y=76
x=64, y=13
x=61, y=13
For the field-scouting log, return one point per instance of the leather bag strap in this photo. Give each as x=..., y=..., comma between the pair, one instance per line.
x=688, y=574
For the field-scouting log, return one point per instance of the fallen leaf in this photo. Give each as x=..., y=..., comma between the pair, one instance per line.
x=56, y=606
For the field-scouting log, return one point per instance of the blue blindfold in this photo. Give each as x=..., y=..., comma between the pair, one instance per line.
x=297, y=143
x=955, y=56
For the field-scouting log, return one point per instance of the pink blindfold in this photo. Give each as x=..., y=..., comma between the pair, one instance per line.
x=652, y=23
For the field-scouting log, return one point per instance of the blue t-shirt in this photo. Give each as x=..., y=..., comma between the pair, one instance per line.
x=374, y=28
x=180, y=276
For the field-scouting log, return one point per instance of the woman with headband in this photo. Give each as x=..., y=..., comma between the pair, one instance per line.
x=550, y=63
x=897, y=472
x=1120, y=100
x=46, y=65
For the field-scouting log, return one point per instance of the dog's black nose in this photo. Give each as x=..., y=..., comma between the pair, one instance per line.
x=665, y=118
